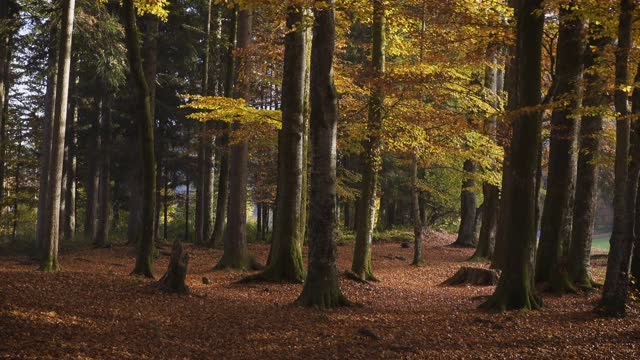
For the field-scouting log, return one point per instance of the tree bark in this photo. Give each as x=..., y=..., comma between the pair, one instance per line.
x=8, y=10
x=557, y=216
x=515, y=288
x=144, y=258
x=418, y=225
x=615, y=290
x=51, y=233
x=490, y=192
x=71, y=144
x=285, y=261
x=321, y=288
x=468, y=205
x=371, y=157
x=45, y=151
x=584, y=213
x=222, y=199
x=104, y=187
x=236, y=255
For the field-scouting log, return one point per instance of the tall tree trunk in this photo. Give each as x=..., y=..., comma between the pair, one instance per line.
x=7, y=12
x=490, y=192
x=58, y=125
x=204, y=192
x=104, y=188
x=45, y=150
x=71, y=143
x=146, y=130
x=584, y=212
x=285, y=261
x=418, y=224
x=186, y=210
x=372, y=160
x=615, y=290
x=94, y=153
x=557, y=216
x=321, y=288
x=305, y=137
x=468, y=206
x=515, y=289
x=236, y=255
x=222, y=199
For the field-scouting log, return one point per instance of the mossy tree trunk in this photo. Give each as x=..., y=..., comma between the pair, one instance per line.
x=371, y=157
x=515, y=289
x=285, y=260
x=584, y=212
x=236, y=254
x=58, y=130
x=615, y=290
x=557, y=216
x=321, y=288
x=144, y=258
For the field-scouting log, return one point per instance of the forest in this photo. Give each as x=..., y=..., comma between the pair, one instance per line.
x=344, y=179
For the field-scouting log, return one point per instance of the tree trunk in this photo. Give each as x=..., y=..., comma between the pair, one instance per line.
x=321, y=288
x=372, y=160
x=468, y=205
x=236, y=255
x=58, y=126
x=204, y=191
x=45, y=151
x=104, y=187
x=94, y=153
x=146, y=130
x=490, y=192
x=418, y=225
x=557, y=216
x=584, y=212
x=186, y=211
x=71, y=143
x=515, y=288
x=222, y=199
x=285, y=262
x=7, y=12
x=615, y=290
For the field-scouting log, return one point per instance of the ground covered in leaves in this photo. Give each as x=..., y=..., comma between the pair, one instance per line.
x=94, y=309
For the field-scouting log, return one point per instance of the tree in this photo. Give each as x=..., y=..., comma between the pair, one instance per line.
x=490, y=192
x=8, y=10
x=285, y=260
x=222, y=198
x=584, y=213
x=515, y=288
x=236, y=255
x=614, y=294
x=144, y=258
x=321, y=288
x=51, y=233
x=371, y=157
x=557, y=215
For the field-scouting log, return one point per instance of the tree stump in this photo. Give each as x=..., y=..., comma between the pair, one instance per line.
x=173, y=280
x=474, y=276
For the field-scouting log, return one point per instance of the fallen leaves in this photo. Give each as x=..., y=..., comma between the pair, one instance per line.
x=93, y=309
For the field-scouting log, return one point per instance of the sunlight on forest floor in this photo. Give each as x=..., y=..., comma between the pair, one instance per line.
x=94, y=309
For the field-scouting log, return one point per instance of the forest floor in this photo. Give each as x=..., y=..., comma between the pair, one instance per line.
x=93, y=309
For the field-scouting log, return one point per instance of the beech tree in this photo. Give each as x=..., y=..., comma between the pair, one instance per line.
x=515, y=288
x=321, y=287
